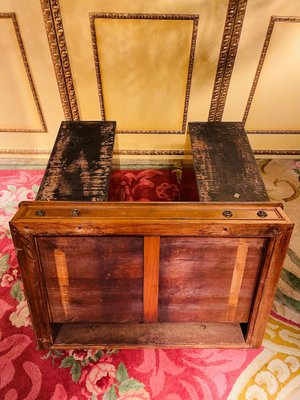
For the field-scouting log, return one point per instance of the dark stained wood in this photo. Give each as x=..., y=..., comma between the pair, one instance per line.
x=224, y=163
x=196, y=277
x=80, y=163
x=96, y=279
x=166, y=335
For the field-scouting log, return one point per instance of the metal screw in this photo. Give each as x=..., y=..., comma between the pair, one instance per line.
x=227, y=213
x=262, y=214
x=40, y=213
x=75, y=212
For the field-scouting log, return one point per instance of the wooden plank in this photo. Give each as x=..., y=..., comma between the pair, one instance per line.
x=268, y=283
x=80, y=162
x=104, y=280
x=151, y=277
x=237, y=276
x=149, y=212
x=196, y=279
x=63, y=279
x=224, y=163
x=36, y=294
x=163, y=335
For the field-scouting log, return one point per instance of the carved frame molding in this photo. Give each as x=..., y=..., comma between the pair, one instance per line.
x=13, y=17
x=230, y=41
x=60, y=57
x=146, y=152
x=177, y=17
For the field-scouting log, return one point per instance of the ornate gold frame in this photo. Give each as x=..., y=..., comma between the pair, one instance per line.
x=148, y=152
x=230, y=41
x=179, y=17
x=60, y=57
x=13, y=17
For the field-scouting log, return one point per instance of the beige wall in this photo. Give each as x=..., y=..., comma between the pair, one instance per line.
x=152, y=66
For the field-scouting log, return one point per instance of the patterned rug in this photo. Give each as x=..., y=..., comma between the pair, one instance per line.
x=271, y=372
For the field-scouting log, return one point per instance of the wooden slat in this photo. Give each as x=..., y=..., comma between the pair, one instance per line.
x=224, y=164
x=151, y=277
x=80, y=162
x=163, y=335
x=63, y=279
x=237, y=277
x=268, y=284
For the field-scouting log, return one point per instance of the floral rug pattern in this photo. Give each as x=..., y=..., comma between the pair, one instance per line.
x=272, y=372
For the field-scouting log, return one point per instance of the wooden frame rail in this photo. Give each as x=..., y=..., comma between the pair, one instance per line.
x=42, y=232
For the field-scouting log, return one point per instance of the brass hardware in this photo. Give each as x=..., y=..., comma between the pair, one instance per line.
x=40, y=213
x=227, y=214
x=75, y=212
x=262, y=214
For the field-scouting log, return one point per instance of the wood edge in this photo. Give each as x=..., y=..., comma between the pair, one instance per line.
x=263, y=304
x=103, y=344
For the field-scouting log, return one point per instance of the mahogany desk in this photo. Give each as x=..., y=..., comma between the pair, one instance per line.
x=101, y=274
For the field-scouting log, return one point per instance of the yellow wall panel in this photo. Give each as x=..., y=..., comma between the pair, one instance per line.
x=145, y=67
x=255, y=27
x=149, y=92
x=21, y=110
x=275, y=103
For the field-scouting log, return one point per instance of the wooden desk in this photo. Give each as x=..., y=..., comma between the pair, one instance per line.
x=99, y=274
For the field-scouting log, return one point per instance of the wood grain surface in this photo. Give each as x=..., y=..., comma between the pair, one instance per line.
x=224, y=163
x=80, y=162
x=151, y=277
x=166, y=335
x=197, y=275
x=105, y=278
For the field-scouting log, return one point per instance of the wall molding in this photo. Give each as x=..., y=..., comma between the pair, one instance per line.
x=13, y=17
x=59, y=53
x=176, y=17
x=261, y=61
x=272, y=132
x=145, y=152
x=229, y=47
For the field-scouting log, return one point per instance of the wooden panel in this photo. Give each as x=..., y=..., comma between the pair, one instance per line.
x=274, y=106
x=151, y=273
x=225, y=167
x=166, y=335
x=237, y=277
x=159, y=104
x=211, y=270
x=93, y=279
x=24, y=114
x=144, y=42
x=252, y=46
x=80, y=162
x=30, y=106
x=197, y=274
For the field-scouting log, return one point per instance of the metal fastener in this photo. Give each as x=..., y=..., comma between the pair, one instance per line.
x=262, y=214
x=227, y=213
x=40, y=213
x=75, y=212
